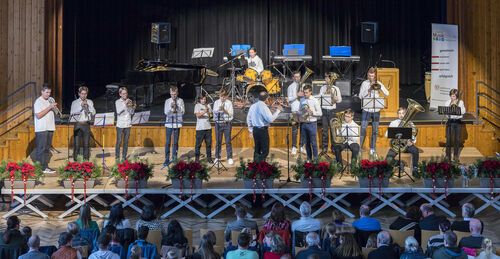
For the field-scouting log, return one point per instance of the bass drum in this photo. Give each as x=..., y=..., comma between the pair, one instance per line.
x=266, y=76
x=253, y=92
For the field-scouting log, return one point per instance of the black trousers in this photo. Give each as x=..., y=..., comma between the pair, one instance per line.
x=326, y=130
x=354, y=147
x=411, y=149
x=43, y=144
x=453, y=128
x=81, y=131
x=261, y=140
x=203, y=135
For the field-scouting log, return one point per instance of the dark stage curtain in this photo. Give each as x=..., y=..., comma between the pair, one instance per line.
x=111, y=36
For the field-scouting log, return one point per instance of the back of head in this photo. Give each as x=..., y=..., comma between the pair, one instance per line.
x=371, y=242
x=85, y=217
x=475, y=226
x=411, y=244
x=330, y=229
x=338, y=216
x=263, y=96
x=305, y=209
x=278, y=212
x=104, y=240
x=312, y=239
x=450, y=239
x=384, y=238
x=73, y=228
x=426, y=208
x=142, y=232
x=364, y=211
x=26, y=232
x=241, y=211
x=110, y=229
x=135, y=252
x=348, y=246
x=175, y=234
x=468, y=210
x=244, y=240
x=12, y=225
x=207, y=243
x=444, y=225
x=413, y=213
x=34, y=242
x=116, y=215
x=278, y=245
x=148, y=213
x=65, y=239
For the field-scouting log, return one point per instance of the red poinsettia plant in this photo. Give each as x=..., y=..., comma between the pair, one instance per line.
x=257, y=170
x=20, y=171
x=373, y=169
x=132, y=170
x=315, y=169
x=80, y=169
x=488, y=168
x=189, y=171
x=437, y=168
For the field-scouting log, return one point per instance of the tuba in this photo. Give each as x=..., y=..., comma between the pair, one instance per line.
x=336, y=127
x=303, y=79
x=413, y=108
x=330, y=89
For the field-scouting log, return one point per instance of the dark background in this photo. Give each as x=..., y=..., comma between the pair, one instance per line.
x=104, y=39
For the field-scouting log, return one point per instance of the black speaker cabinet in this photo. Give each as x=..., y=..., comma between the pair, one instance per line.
x=369, y=32
x=160, y=32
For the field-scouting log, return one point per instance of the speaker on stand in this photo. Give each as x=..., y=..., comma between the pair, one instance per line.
x=369, y=34
x=160, y=34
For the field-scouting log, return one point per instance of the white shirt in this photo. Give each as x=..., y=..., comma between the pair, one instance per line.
x=395, y=124
x=462, y=109
x=47, y=122
x=78, y=113
x=203, y=122
x=255, y=63
x=174, y=120
x=350, y=126
x=104, y=255
x=228, y=106
x=124, y=114
x=306, y=225
x=363, y=93
x=260, y=115
x=124, y=224
x=328, y=105
x=314, y=105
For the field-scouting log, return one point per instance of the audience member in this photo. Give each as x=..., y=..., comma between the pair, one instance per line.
x=242, y=252
x=148, y=250
x=338, y=218
x=409, y=221
x=450, y=250
x=330, y=239
x=488, y=251
x=175, y=236
x=468, y=212
x=26, y=232
x=104, y=253
x=34, y=253
x=384, y=247
x=412, y=249
x=12, y=237
x=437, y=241
x=475, y=240
x=148, y=219
x=85, y=219
x=66, y=251
x=240, y=223
x=266, y=242
x=371, y=242
x=135, y=252
x=277, y=220
x=278, y=248
x=306, y=223
x=430, y=220
x=348, y=247
x=116, y=218
x=78, y=240
x=111, y=231
x=365, y=222
x=206, y=250
x=312, y=240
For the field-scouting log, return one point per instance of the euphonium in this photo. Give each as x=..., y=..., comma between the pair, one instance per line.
x=412, y=110
x=304, y=78
x=330, y=89
x=336, y=127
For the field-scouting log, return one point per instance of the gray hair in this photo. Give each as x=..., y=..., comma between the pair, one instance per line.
x=475, y=226
x=305, y=209
x=384, y=237
x=312, y=239
x=450, y=238
x=468, y=210
x=73, y=228
x=34, y=241
x=278, y=245
x=364, y=210
x=411, y=244
x=426, y=207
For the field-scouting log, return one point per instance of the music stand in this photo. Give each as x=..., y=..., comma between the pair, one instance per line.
x=400, y=133
x=326, y=100
x=140, y=118
x=101, y=120
x=449, y=110
x=218, y=118
x=348, y=132
x=373, y=103
x=203, y=53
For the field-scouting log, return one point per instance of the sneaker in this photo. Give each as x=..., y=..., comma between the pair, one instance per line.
x=303, y=150
x=294, y=151
x=230, y=161
x=166, y=162
x=49, y=171
x=210, y=161
x=216, y=161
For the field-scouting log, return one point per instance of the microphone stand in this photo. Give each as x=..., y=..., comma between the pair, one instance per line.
x=218, y=141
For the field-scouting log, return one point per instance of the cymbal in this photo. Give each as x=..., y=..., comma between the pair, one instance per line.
x=210, y=72
x=274, y=65
x=235, y=68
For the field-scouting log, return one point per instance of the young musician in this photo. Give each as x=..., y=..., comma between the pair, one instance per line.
x=411, y=142
x=258, y=120
x=82, y=111
x=44, y=127
x=454, y=125
x=309, y=116
x=293, y=99
x=368, y=114
x=203, y=128
x=174, y=109
x=223, y=115
x=125, y=108
x=351, y=143
x=254, y=61
x=328, y=108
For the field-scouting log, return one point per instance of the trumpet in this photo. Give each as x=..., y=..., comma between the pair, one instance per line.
x=175, y=106
x=86, y=110
x=130, y=104
x=210, y=114
x=56, y=110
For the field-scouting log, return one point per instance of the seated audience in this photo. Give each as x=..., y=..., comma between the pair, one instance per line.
x=338, y=218
x=244, y=240
x=450, y=250
x=65, y=250
x=12, y=239
x=206, y=249
x=312, y=240
x=437, y=241
x=175, y=236
x=384, y=247
x=34, y=253
x=277, y=220
x=240, y=223
x=330, y=240
x=278, y=248
x=371, y=242
x=306, y=223
x=488, y=250
x=104, y=253
x=148, y=219
x=409, y=221
x=78, y=240
x=135, y=252
x=365, y=222
x=116, y=218
x=111, y=231
x=412, y=249
x=468, y=212
x=348, y=247
x=85, y=219
x=475, y=240
x=266, y=242
x=26, y=232
x=430, y=220
x=148, y=250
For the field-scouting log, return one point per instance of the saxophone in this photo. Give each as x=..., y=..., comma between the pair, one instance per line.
x=330, y=89
x=336, y=127
x=412, y=110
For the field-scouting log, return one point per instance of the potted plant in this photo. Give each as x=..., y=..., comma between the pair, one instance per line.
x=136, y=170
x=187, y=175
x=315, y=174
x=258, y=175
x=80, y=175
x=488, y=171
x=373, y=173
x=438, y=173
x=20, y=175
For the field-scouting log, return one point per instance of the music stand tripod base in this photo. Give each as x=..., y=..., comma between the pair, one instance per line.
x=400, y=134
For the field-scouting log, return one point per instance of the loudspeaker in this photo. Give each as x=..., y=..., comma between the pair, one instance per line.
x=369, y=32
x=344, y=85
x=160, y=32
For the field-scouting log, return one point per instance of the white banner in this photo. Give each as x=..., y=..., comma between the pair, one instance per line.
x=444, y=63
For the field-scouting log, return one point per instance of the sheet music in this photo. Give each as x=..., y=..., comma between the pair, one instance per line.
x=141, y=117
x=373, y=103
x=103, y=119
x=203, y=53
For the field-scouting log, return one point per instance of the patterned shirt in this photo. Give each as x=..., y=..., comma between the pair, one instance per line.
x=272, y=225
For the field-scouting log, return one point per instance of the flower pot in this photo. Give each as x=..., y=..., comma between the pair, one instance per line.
x=248, y=183
x=315, y=182
x=79, y=184
x=186, y=184
x=141, y=184
x=365, y=182
x=439, y=183
x=19, y=184
x=485, y=182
